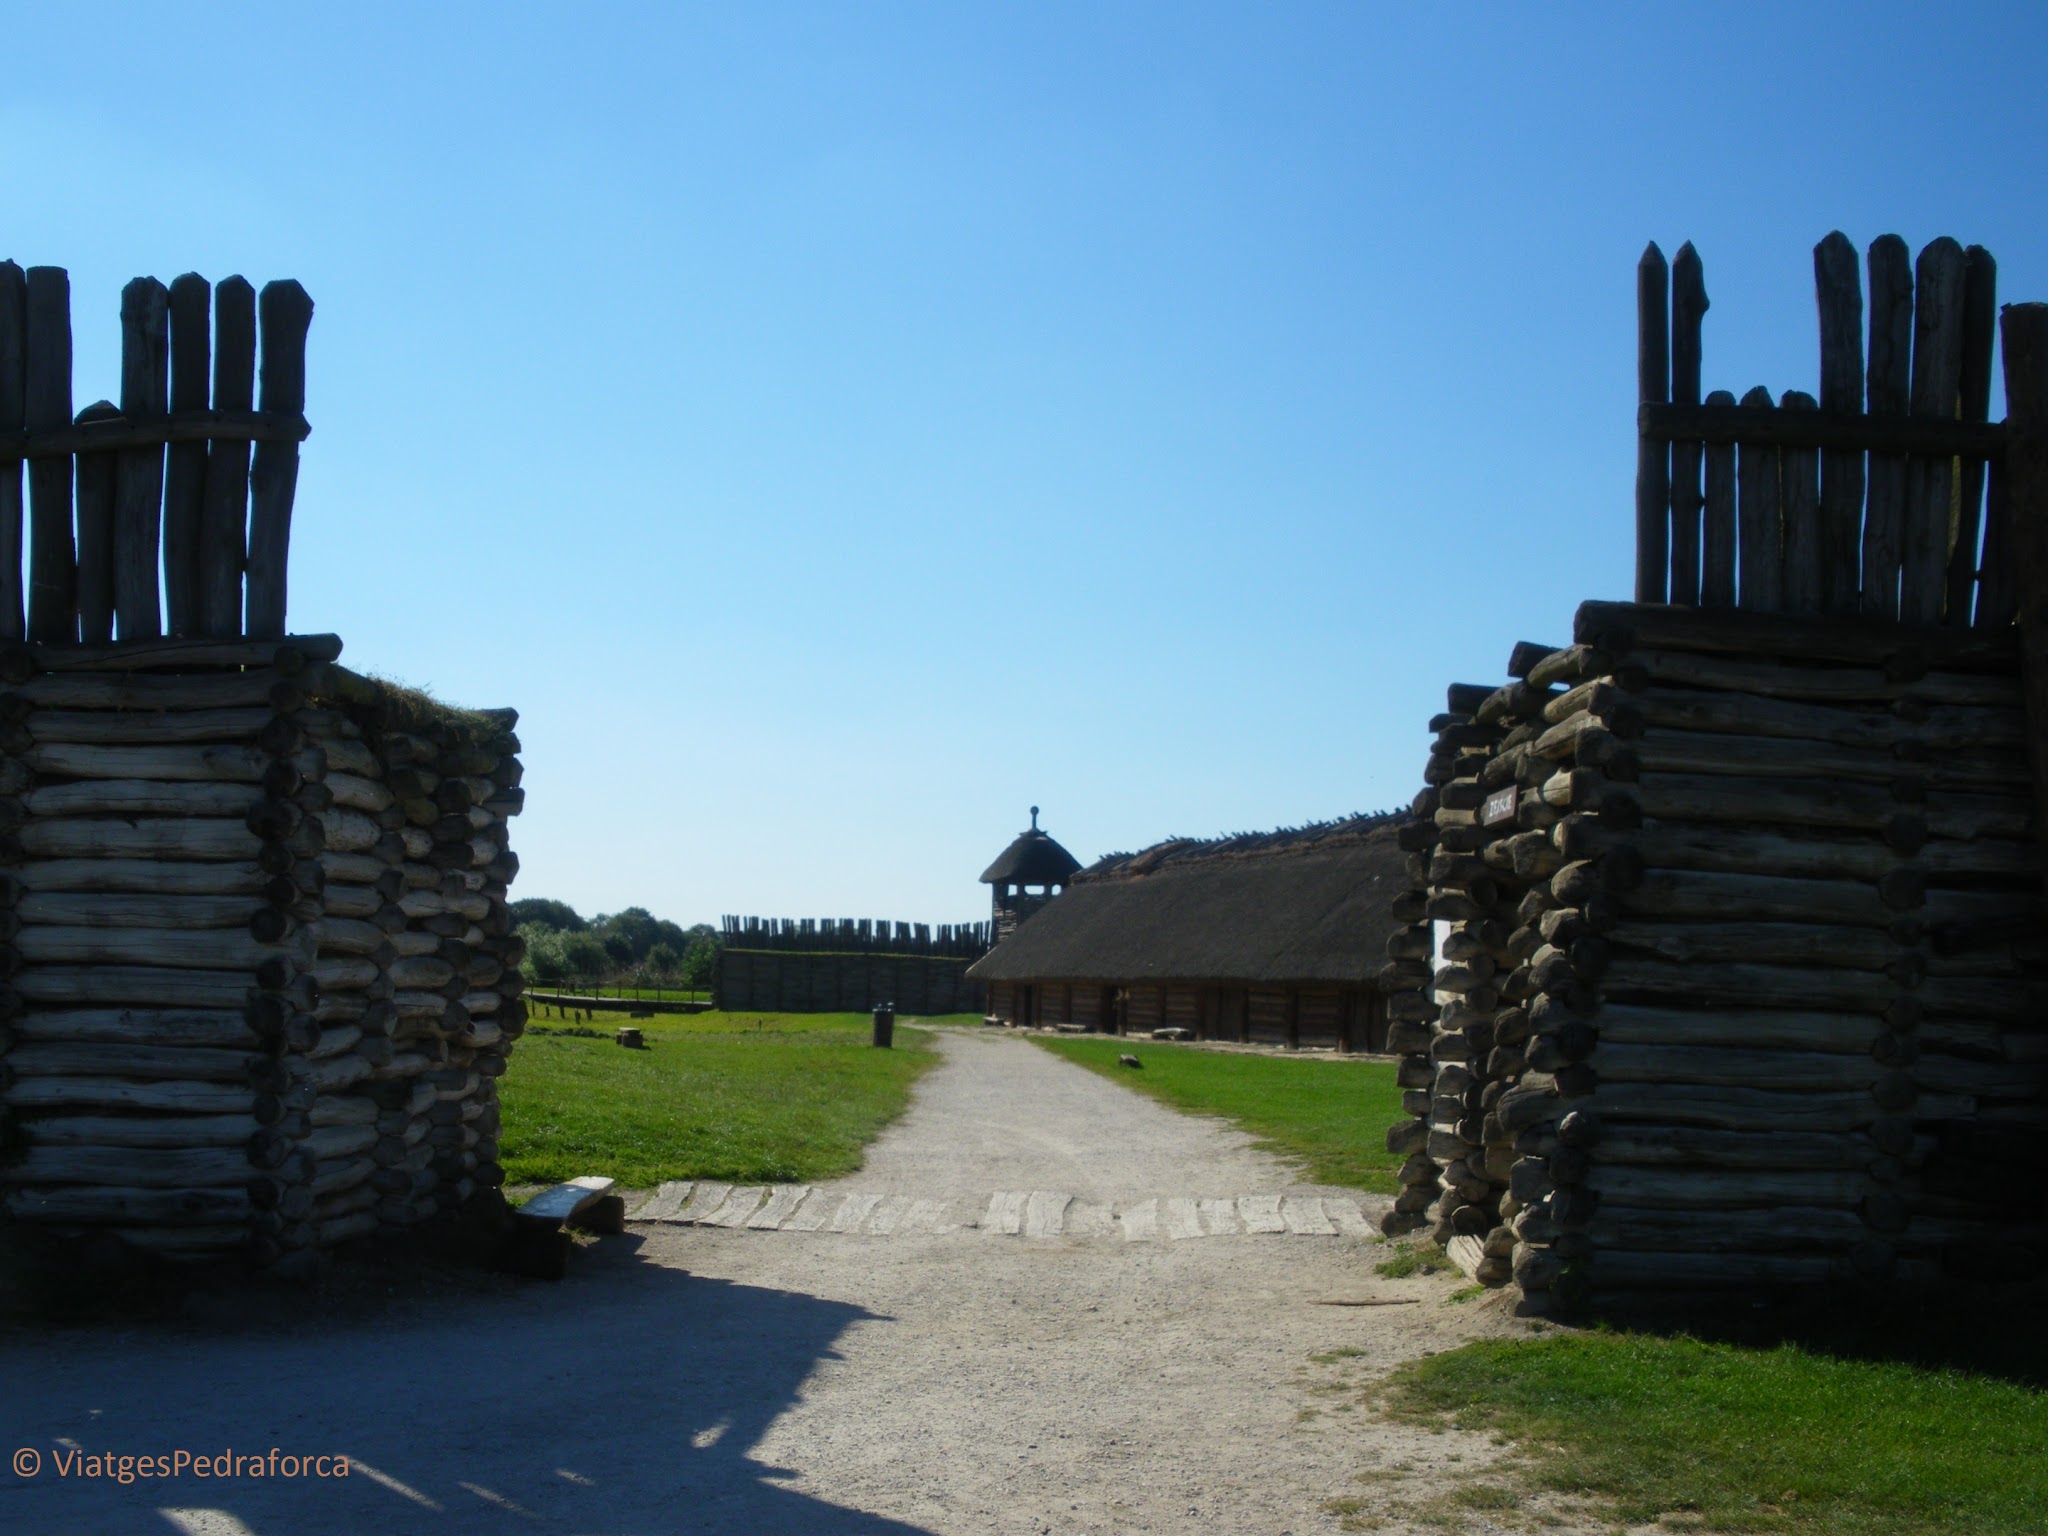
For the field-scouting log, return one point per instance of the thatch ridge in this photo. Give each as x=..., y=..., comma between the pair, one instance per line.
x=1335, y=832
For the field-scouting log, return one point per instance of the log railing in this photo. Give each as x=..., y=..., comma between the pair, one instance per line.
x=162, y=487
x=1870, y=499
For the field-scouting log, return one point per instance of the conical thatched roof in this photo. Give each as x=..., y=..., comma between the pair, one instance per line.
x=1033, y=859
x=1309, y=905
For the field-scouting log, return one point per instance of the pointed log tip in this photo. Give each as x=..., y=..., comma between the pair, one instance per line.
x=286, y=290
x=1687, y=255
x=1653, y=256
x=1835, y=240
x=234, y=282
x=1943, y=246
x=1888, y=244
x=185, y=281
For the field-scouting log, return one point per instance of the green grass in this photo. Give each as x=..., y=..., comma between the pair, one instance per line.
x=745, y=1097
x=677, y=993
x=1727, y=1437
x=1423, y=1258
x=1332, y=1115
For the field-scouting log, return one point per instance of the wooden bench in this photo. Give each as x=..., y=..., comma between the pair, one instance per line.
x=569, y=1204
x=538, y=1246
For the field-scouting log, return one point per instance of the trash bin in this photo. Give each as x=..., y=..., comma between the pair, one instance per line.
x=885, y=1025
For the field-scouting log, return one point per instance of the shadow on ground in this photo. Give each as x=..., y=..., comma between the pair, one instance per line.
x=625, y=1399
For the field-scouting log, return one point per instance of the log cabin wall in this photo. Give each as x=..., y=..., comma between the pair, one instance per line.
x=1734, y=982
x=264, y=977
x=1311, y=1018
x=259, y=970
x=797, y=981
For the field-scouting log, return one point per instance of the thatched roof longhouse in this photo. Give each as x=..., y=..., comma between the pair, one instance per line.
x=1312, y=904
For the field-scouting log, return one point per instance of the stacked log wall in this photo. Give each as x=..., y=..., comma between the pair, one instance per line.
x=263, y=977
x=1770, y=1013
x=799, y=981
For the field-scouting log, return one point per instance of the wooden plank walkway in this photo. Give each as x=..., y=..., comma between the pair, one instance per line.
x=1030, y=1214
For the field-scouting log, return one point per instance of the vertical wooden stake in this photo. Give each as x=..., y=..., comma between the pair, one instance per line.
x=185, y=476
x=2025, y=332
x=1937, y=383
x=13, y=404
x=274, y=477
x=1980, y=329
x=1717, y=561
x=1891, y=350
x=139, y=472
x=224, y=513
x=1688, y=308
x=1653, y=456
x=53, y=570
x=1759, y=516
x=1799, y=474
x=1838, y=293
x=96, y=495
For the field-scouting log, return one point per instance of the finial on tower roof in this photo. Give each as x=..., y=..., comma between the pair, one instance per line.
x=1034, y=818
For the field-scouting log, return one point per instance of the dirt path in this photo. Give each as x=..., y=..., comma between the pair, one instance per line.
x=959, y=1378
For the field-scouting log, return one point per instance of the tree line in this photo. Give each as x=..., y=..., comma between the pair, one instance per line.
x=631, y=945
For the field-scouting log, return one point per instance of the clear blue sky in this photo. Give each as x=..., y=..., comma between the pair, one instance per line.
x=837, y=428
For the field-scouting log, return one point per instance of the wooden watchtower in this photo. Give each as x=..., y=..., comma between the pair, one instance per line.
x=1028, y=874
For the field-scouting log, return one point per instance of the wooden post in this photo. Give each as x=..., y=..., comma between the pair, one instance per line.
x=224, y=514
x=53, y=571
x=1758, y=516
x=1717, y=568
x=1838, y=291
x=1937, y=381
x=273, y=478
x=1891, y=347
x=139, y=472
x=185, y=477
x=1653, y=455
x=13, y=403
x=1803, y=579
x=96, y=534
x=2024, y=328
x=1997, y=595
x=1980, y=326
x=1688, y=307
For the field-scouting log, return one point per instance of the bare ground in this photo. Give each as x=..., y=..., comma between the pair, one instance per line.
x=699, y=1379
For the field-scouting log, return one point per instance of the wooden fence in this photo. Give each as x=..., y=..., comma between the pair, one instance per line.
x=165, y=481
x=1723, y=961
x=846, y=935
x=1869, y=499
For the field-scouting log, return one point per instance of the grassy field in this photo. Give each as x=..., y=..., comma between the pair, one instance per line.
x=1332, y=1115
x=745, y=1097
x=1727, y=1437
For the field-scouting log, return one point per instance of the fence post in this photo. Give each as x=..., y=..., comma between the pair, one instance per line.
x=1653, y=454
x=2025, y=333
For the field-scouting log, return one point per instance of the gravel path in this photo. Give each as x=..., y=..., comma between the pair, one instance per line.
x=704, y=1378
